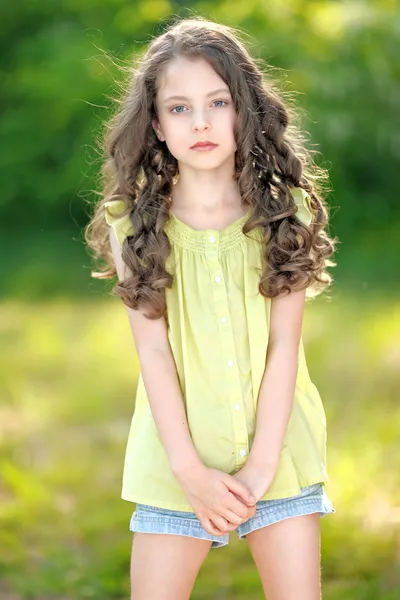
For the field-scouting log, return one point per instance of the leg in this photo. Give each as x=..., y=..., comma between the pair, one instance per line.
x=287, y=557
x=165, y=566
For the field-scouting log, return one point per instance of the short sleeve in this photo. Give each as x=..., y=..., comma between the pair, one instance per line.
x=302, y=200
x=122, y=225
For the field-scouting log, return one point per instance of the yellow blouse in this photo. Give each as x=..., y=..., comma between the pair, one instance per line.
x=218, y=326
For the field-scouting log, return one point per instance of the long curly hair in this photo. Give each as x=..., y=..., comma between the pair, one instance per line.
x=270, y=159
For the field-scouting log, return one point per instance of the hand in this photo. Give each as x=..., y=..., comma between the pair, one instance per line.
x=256, y=478
x=220, y=501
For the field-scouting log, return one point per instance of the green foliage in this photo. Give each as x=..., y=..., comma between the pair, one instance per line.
x=60, y=72
x=340, y=62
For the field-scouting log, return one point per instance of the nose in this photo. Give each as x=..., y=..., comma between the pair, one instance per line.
x=200, y=123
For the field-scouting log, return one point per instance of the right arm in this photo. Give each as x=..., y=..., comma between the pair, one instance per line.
x=160, y=380
x=214, y=495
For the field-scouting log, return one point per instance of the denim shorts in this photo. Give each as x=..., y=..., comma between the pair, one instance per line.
x=150, y=519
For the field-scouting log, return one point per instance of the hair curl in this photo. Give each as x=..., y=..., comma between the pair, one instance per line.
x=270, y=159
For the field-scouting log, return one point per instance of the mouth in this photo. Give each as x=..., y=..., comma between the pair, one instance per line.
x=203, y=145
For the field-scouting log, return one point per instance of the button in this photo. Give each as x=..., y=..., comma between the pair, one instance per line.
x=211, y=239
x=230, y=363
x=242, y=452
x=217, y=279
x=223, y=319
x=236, y=406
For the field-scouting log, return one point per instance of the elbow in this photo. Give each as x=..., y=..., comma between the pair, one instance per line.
x=148, y=353
x=284, y=351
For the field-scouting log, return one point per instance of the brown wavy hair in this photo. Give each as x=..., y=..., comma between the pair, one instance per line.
x=270, y=159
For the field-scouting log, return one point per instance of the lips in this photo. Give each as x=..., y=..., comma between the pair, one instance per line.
x=203, y=145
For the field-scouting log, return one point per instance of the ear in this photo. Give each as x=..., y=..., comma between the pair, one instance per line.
x=157, y=129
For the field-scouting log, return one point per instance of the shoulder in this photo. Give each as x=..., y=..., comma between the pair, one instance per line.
x=118, y=216
x=302, y=201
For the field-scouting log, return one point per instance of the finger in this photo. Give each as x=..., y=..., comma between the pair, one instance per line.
x=241, y=509
x=210, y=527
x=237, y=506
x=252, y=511
x=247, y=513
x=238, y=488
x=222, y=524
x=233, y=518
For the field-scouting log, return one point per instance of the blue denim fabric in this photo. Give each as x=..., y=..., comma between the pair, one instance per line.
x=150, y=519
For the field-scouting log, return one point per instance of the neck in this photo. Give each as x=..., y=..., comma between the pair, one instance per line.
x=204, y=192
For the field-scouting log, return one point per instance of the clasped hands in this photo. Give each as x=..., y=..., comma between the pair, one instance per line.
x=222, y=501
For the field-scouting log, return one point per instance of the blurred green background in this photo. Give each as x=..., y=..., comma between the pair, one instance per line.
x=68, y=369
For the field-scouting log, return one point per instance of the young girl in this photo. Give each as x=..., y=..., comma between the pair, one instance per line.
x=213, y=223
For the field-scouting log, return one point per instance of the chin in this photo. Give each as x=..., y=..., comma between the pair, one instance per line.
x=207, y=160
x=208, y=166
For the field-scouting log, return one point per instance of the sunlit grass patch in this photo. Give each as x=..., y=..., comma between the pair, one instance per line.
x=67, y=382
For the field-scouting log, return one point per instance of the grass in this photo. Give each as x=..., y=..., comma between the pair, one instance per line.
x=67, y=384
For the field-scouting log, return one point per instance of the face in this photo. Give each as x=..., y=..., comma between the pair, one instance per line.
x=195, y=105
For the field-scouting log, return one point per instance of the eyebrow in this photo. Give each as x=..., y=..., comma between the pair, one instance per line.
x=213, y=93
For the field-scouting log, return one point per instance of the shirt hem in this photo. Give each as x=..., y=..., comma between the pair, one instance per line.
x=286, y=493
x=137, y=499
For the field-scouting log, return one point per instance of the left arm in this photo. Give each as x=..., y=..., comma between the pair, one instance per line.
x=276, y=393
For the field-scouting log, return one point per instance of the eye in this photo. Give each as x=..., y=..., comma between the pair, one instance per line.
x=224, y=101
x=175, y=107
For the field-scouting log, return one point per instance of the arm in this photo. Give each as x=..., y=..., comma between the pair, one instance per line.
x=160, y=379
x=279, y=380
x=276, y=393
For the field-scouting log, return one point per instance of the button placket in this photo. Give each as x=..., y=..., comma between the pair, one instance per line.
x=232, y=384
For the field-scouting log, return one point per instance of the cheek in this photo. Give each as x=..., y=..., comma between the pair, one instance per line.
x=228, y=120
x=176, y=126
x=176, y=134
x=230, y=123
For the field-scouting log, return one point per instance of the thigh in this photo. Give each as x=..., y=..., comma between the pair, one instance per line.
x=165, y=566
x=287, y=557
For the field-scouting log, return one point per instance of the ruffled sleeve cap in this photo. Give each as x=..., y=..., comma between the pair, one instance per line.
x=302, y=200
x=121, y=225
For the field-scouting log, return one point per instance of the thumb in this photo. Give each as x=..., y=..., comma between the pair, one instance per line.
x=240, y=489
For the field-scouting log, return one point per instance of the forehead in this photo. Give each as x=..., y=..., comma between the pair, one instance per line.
x=187, y=77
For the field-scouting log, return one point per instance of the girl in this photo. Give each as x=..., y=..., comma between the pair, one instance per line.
x=212, y=221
